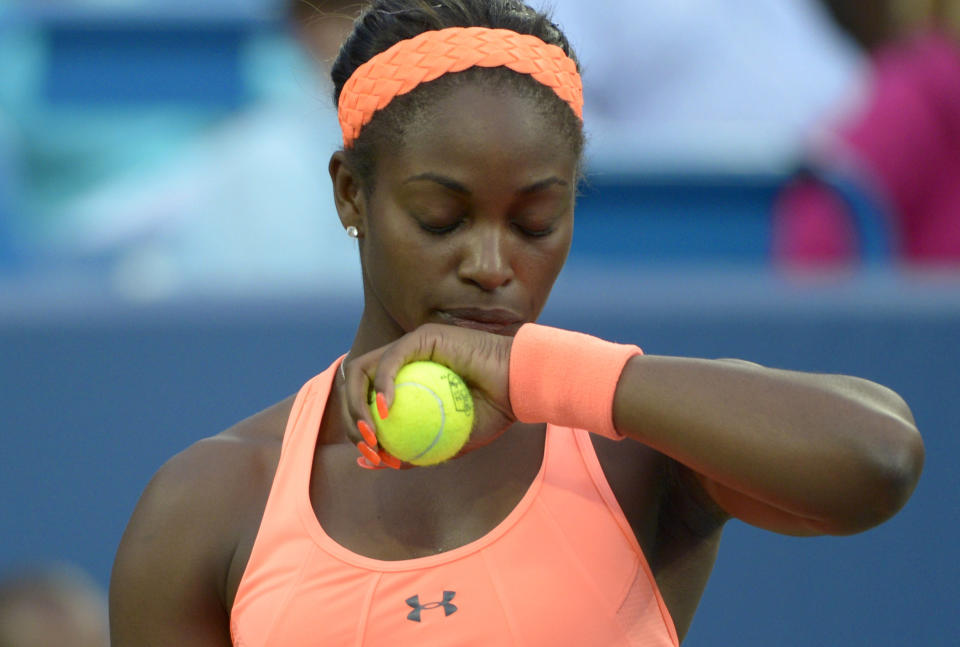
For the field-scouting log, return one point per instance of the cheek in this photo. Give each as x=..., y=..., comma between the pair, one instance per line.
x=541, y=264
x=558, y=248
x=397, y=254
x=384, y=236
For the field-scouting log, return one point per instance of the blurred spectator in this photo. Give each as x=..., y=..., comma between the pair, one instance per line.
x=52, y=607
x=711, y=85
x=883, y=179
x=249, y=205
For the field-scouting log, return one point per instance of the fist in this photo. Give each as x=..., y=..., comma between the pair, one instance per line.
x=482, y=359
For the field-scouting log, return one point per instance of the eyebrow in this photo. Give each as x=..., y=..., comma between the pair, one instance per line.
x=456, y=187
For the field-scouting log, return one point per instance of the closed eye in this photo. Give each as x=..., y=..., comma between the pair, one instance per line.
x=439, y=230
x=535, y=232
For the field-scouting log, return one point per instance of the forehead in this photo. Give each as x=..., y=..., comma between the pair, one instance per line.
x=478, y=127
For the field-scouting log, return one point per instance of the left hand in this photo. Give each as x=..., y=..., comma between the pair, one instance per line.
x=482, y=359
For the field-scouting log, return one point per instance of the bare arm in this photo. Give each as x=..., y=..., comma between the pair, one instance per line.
x=795, y=453
x=168, y=580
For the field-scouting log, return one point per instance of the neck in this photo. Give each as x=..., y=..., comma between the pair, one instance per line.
x=374, y=331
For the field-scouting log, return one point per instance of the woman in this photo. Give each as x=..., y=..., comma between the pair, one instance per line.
x=460, y=191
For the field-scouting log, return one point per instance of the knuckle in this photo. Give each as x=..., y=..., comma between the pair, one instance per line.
x=435, y=329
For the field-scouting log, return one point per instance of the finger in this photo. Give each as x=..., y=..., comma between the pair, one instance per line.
x=365, y=464
x=357, y=433
x=382, y=407
x=357, y=385
x=369, y=453
x=368, y=434
x=390, y=461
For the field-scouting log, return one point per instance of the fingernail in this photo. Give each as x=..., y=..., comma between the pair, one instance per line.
x=365, y=464
x=390, y=461
x=382, y=406
x=367, y=433
x=369, y=453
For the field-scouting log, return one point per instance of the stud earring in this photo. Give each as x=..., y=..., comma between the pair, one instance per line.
x=353, y=232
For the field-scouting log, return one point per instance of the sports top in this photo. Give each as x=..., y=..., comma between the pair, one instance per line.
x=563, y=568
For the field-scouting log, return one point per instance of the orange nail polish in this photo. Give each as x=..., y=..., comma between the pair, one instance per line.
x=382, y=406
x=390, y=461
x=367, y=433
x=369, y=453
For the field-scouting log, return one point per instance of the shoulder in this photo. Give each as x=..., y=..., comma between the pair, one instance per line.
x=180, y=541
x=218, y=475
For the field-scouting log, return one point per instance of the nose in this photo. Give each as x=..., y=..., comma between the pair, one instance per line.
x=486, y=259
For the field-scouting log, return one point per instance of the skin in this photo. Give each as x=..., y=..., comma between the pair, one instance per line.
x=709, y=440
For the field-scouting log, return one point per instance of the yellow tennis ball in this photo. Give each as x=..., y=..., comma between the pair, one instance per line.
x=431, y=415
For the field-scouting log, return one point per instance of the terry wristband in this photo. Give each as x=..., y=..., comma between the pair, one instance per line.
x=566, y=378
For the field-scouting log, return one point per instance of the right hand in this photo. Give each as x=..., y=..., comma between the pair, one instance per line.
x=482, y=359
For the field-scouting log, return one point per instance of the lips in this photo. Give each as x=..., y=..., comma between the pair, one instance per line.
x=496, y=320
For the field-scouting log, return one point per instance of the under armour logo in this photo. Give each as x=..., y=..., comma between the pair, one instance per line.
x=448, y=608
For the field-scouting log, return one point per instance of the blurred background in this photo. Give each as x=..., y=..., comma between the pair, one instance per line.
x=777, y=181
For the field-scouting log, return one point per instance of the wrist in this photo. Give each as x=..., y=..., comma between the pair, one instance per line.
x=566, y=378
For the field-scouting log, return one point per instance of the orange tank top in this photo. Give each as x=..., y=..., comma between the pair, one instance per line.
x=563, y=568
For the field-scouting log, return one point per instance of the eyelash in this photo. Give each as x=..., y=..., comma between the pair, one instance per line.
x=539, y=233
x=440, y=231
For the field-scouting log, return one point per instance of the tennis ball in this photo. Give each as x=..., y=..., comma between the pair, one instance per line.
x=431, y=415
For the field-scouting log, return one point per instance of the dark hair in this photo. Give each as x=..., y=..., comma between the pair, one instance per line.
x=387, y=22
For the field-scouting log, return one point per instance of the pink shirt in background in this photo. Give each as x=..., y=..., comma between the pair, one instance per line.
x=904, y=146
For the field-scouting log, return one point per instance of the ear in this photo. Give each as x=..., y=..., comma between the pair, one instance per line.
x=347, y=193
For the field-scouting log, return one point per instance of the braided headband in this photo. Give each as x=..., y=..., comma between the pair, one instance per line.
x=430, y=55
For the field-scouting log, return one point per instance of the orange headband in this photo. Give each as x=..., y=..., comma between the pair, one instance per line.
x=432, y=54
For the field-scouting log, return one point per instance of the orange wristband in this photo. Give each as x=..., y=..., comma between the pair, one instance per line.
x=566, y=378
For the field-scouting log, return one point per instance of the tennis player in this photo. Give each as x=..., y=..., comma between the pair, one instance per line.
x=587, y=508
